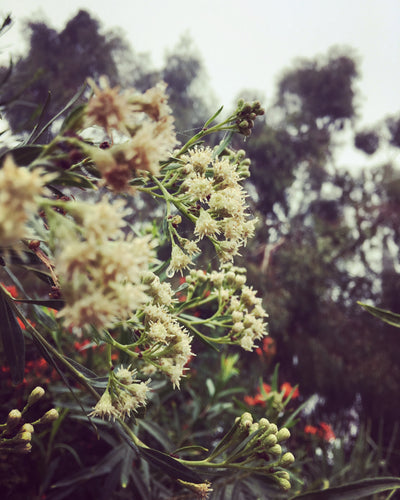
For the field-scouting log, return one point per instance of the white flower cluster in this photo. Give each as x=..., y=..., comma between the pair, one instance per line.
x=98, y=266
x=147, y=123
x=123, y=396
x=169, y=342
x=213, y=195
x=248, y=318
x=18, y=189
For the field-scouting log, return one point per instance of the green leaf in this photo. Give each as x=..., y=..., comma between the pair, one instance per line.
x=69, y=105
x=74, y=119
x=12, y=339
x=223, y=144
x=192, y=447
x=157, y=433
x=25, y=155
x=169, y=465
x=102, y=468
x=386, y=316
x=74, y=180
x=214, y=116
x=353, y=491
x=52, y=303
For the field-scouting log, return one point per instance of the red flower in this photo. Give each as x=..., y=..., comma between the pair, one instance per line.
x=326, y=432
x=259, y=398
x=12, y=290
x=80, y=346
x=310, y=429
x=287, y=388
x=21, y=324
x=323, y=431
x=268, y=348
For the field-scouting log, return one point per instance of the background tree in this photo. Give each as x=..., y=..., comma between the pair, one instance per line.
x=328, y=237
x=58, y=64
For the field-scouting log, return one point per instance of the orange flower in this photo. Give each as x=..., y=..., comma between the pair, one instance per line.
x=287, y=388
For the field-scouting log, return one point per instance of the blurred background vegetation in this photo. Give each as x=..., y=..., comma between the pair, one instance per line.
x=327, y=235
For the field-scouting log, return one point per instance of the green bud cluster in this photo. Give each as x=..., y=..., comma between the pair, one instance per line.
x=256, y=446
x=16, y=433
x=246, y=114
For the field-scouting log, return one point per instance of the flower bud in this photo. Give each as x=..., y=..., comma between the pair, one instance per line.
x=49, y=416
x=275, y=450
x=246, y=420
x=287, y=459
x=283, y=434
x=284, y=484
x=23, y=437
x=28, y=428
x=283, y=474
x=13, y=419
x=253, y=427
x=264, y=423
x=269, y=441
x=35, y=395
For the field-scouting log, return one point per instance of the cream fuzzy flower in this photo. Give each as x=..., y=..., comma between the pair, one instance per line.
x=18, y=189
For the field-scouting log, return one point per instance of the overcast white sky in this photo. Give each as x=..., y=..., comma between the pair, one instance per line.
x=247, y=43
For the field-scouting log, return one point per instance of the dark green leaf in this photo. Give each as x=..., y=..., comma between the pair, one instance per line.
x=157, y=432
x=100, y=469
x=169, y=465
x=25, y=154
x=12, y=339
x=74, y=119
x=353, y=491
x=52, y=303
x=73, y=180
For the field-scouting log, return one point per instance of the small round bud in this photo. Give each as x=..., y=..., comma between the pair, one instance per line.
x=246, y=420
x=275, y=450
x=284, y=484
x=35, y=395
x=253, y=427
x=22, y=437
x=269, y=441
x=13, y=419
x=49, y=416
x=287, y=459
x=28, y=428
x=264, y=422
x=283, y=434
x=284, y=474
x=272, y=429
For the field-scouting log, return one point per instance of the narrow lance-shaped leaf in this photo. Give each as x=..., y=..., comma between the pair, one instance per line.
x=169, y=465
x=12, y=339
x=386, y=316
